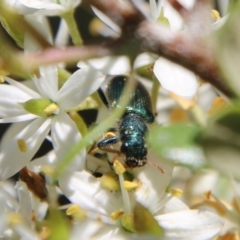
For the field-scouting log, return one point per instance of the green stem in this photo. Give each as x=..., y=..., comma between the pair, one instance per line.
x=73, y=29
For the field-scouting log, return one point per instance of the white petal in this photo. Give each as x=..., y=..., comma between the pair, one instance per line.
x=9, y=196
x=175, y=78
x=39, y=4
x=39, y=207
x=111, y=65
x=28, y=203
x=41, y=24
x=153, y=8
x=64, y=135
x=12, y=159
x=21, y=118
x=86, y=230
x=10, y=99
x=23, y=88
x=38, y=164
x=85, y=190
x=25, y=231
x=79, y=86
x=174, y=18
x=187, y=3
x=144, y=59
x=3, y=214
x=82, y=64
x=62, y=36
x=174, y=205
x=24, y=200
x=106, y=20
x=153, y=184
x=47, y=84
x=190, y=225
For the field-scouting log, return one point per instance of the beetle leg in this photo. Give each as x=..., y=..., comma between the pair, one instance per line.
x=103, y=98
x=105, y=143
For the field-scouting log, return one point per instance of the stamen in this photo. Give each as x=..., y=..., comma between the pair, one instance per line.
x=176, y=192
x=51, y=109
x=129, y=185
x=76, y=212
x=110, y=181
x=15, y=218
x=125, y=196
x=22, y=145
x=215, y=15
x=116, y=215
x=118, y=167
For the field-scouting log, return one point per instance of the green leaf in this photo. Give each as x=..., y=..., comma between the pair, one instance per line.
x=228, y=49
x=178, y=143
x=145, y=223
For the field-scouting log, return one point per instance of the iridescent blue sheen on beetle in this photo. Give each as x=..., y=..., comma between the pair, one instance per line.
x=133, y=124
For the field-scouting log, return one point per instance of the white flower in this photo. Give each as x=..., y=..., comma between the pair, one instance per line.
x=47, y=7
x=172, y=77
x=24, y=137
x=14, y=217
x=176, y=219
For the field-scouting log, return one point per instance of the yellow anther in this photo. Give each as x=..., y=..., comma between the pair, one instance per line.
x=75, y=211
x=215, y=15
x=109, y=135
x=129, y=185
x=2, y=74
x=48, y=170
x=218, y=105
x=15, y=218
x=51, y=109
x=118, y=167
x=176, y=192
x=116, y=215
x=2, y=79
x=183, y=102
x=22, y=145
x=110, y=181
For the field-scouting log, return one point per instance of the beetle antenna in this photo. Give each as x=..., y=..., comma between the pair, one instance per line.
x=157, y=166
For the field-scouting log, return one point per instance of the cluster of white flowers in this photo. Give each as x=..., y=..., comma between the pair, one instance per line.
x=39, y=107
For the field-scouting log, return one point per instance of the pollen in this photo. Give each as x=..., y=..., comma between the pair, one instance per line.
x=51, y=109
x=22, y=145
x=2, y=79
x=129, y=185
x=118, y=167
x=176, y=192
x=215, y=15
x=116, y=215
x=75, y=211
x=15, y=218
x=110, y=181
x=48, y=170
